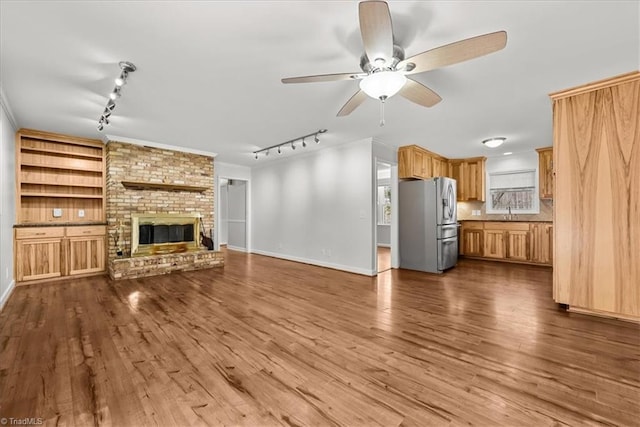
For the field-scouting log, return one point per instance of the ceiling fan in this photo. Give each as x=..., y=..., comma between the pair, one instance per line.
x=385, y=69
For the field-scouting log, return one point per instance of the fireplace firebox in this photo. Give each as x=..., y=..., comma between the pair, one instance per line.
x=164, y=233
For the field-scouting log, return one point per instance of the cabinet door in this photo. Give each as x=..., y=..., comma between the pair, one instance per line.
x=494, y=244
x=457, y=173
x=548, y=231
x=474, y=180
x=545, y=172
x=38, y=259
x=472, y=242
x=518, y=245
x=86, y=255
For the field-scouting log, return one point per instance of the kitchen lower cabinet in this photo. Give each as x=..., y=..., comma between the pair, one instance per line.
x=494, y=244
x=541, y=243
x=514, y=241
x=472, y=239
x=52, y=252
x=518, y=244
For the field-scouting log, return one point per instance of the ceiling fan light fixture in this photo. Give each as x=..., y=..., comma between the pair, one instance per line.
x=494, y=142
x=383, y=84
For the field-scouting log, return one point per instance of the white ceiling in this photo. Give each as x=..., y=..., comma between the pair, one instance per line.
x=209, y=72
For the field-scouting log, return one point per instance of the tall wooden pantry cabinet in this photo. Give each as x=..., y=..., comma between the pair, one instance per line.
x=596, y=157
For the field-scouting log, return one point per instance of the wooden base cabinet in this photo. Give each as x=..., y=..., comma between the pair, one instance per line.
x=38, y=253
x=526, y=242
x=472, y=239
x=52, y=252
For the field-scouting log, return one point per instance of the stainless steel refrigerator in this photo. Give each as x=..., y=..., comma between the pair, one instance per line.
x=428, y=224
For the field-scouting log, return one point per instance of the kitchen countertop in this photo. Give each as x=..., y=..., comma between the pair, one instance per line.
x=504, y=220
x=59, y=224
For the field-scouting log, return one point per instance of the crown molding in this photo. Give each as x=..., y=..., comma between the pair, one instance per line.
x=116, y=138
x=7, y=109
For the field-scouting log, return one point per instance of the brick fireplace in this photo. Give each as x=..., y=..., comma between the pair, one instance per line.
x=165, y=188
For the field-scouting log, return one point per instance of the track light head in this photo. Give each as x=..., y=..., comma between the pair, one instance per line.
x=256, y=155
x=100, y=126
x=111, y=105
x=316, y=139
x=104, y=120
x=120, y=81
x=266, y=153
x=115, y=94
x=106, y=113
x=304, y=143
x=279, y=150
x=293, y=145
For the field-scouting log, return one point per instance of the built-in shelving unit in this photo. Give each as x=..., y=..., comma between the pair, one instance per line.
x=142, y=185
x=61, y=173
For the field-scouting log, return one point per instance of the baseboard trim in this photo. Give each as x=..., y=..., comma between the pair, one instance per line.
x=5, y=297
x=384, y=245
x=236, y=248
x=347, y=268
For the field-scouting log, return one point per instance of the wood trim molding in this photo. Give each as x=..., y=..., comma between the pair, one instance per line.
x=38, y=134
x=599, y=84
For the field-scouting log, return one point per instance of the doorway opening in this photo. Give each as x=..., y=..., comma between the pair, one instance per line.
x=232, y=233
x=384, y=215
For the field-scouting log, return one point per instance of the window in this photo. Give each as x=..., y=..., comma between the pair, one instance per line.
x=515, y=189
x=384, y=204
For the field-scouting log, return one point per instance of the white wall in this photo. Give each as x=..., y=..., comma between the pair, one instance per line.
x=7, y=200
x=317, y=207
x=222, y=209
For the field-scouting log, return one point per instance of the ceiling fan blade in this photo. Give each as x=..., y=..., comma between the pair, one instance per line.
x=453, y=53
x=354, y=102
x=419, y=93
x=324, y=78
x=376, y=30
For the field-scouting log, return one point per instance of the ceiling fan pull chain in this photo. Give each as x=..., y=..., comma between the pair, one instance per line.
x=381, y=111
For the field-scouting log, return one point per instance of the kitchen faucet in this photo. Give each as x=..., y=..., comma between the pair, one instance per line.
x=509, y=217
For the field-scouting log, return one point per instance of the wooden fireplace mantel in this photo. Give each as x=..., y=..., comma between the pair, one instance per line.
x=143, y=185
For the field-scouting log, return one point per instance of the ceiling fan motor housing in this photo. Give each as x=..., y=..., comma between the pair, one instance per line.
x=368, y=67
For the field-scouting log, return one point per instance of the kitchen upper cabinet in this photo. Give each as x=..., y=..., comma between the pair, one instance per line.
x=413, y=162
x=470, y=177
x=419, y=163
x=596, y=157
x=545, y=172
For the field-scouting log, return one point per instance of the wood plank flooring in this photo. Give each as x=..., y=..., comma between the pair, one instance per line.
x=270, y=342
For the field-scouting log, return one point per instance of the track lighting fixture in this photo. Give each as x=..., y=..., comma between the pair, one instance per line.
x=291, y=142
x=126, y=67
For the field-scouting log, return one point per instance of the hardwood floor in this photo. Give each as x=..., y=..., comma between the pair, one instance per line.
x=271, y=342
x=384, y=258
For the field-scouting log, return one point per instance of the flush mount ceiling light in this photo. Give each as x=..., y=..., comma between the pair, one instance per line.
x=290, y=143
x=126, y=68
x=494, y=142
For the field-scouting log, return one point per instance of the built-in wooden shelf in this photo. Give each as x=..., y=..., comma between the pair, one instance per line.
x=66, y=153
x=141, y=185
x=97, y=169
x=55, y=184
x=65, y=195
